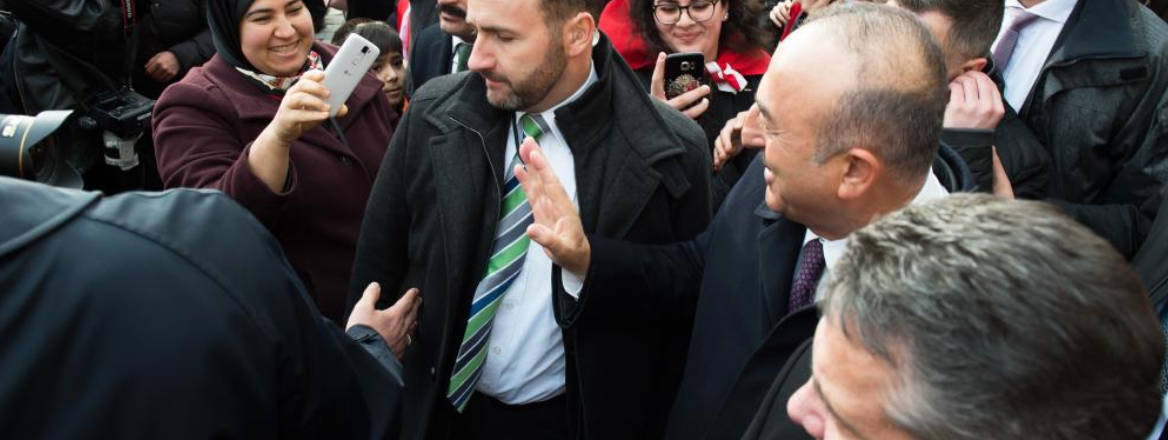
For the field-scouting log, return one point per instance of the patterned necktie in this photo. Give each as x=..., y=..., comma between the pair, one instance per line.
x=810, y=270
x=507, y=256
x=462, y=55
x=1005, y=48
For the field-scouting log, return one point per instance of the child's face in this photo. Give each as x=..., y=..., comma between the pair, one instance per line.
x=391, y=69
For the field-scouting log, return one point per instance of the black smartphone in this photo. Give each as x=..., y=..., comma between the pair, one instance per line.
x=684, y=72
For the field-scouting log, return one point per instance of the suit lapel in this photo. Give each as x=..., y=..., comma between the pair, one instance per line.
x=778, y=251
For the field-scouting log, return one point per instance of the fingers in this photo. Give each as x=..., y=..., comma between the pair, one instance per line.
x=368, y=298
x=688, y=99
x=968, y=88
x=696, y=111
x=729, y=141
x=657, y=82
x=1002, y=186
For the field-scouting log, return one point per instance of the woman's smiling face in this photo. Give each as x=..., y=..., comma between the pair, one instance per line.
x=276, y=35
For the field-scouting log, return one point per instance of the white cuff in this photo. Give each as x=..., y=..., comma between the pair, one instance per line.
x=572, y=282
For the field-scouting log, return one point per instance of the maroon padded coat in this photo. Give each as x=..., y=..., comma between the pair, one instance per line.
x=203, y=127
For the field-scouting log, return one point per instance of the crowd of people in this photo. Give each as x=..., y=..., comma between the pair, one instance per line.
x=911, y=219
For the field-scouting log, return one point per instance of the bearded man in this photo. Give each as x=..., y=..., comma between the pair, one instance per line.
x=508, y=346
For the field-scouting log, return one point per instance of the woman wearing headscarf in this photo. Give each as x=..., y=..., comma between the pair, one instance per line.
x=253, y=122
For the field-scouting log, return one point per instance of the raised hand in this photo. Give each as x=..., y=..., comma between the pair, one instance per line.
x=304, y=107
x=743, y=131
x=557, y=226
x=974, y=102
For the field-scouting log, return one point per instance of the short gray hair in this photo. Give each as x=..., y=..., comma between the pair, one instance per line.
x=898, y=105
x=1003, y=319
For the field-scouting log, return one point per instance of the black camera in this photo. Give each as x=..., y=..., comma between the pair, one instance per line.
x=25, y=151
x=123, y=112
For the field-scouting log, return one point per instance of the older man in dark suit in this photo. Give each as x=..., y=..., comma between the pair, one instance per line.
x=852, y=122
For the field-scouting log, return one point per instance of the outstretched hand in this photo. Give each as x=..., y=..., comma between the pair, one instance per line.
x=396, y=324
x=557, y=226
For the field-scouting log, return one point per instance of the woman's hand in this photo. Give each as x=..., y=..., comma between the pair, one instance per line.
x=692, y=103
x=781, y=13
x=304, y=107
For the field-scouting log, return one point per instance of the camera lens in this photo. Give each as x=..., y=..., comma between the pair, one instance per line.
x=365, y=49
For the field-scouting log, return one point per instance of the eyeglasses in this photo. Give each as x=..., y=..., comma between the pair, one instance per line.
x=670, y=13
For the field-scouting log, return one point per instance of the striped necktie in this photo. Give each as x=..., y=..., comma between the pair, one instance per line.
x=507, y=256
x=462, y=57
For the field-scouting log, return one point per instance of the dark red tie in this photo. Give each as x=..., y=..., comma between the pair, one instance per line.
x=810, y=270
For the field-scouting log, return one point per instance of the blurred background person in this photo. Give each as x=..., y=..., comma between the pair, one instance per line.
x=108, y=60
x=390, y=66
x=976, y=317
x=253, y=123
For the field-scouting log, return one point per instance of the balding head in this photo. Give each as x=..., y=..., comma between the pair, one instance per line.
x=897, y=103
x=852, y=103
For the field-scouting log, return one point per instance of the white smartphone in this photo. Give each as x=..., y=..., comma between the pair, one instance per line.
x=343, y=73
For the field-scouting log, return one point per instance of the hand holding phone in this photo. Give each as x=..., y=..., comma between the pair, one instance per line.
x=684, y=72
x=680, y=81
x=345, y=70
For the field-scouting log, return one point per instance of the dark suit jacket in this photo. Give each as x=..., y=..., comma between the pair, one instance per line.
x=738, y=275
x=771, y=421
x=169, y=315
x=1100, y=107
x=642, y=173
x=432, y=57
x=1025, y=159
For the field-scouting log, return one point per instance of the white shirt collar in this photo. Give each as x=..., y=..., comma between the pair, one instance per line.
x=834, y=249
x=1054, y=10
x=456, y=41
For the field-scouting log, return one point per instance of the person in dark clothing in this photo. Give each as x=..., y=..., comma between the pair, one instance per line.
x=536, y=360
x=728, y=38
x=175, y=315
x=918, y=328
x=1097, y=101
x=977, y=119
x=441, y=48
x=748, y=280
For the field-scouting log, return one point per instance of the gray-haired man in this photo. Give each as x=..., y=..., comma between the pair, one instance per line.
x=974, y=317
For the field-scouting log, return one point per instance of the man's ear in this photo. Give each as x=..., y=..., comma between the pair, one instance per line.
x=861, y=171
x=578, y=33
x=975, y=65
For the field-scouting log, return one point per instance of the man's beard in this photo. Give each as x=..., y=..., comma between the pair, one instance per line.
x=536, y=86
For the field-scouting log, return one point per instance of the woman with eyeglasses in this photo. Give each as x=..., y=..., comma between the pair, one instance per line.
x=732, y=42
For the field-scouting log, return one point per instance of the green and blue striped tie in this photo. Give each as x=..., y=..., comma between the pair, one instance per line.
x=507, y=256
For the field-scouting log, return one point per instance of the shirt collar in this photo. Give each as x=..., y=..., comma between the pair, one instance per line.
x=1054, y=10
x=834, y=249
x=456, y=41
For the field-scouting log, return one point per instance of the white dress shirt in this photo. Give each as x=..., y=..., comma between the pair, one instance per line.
x=454, y=52
x=834, y=249
x=525, y=351
x=1034, y=44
